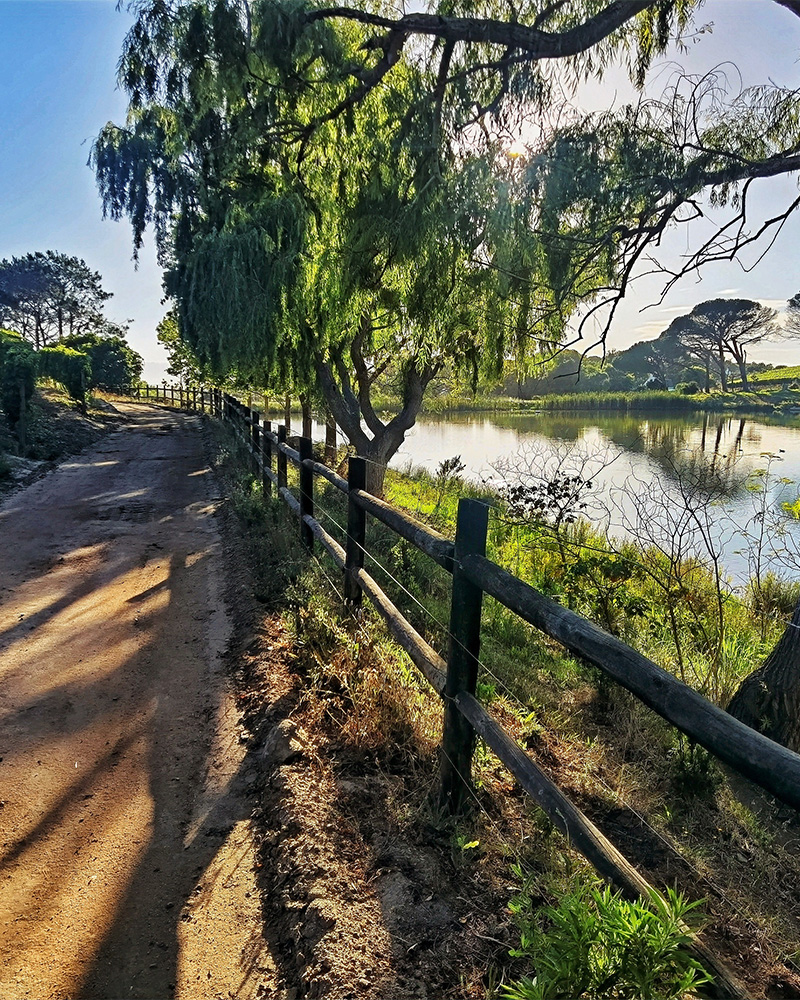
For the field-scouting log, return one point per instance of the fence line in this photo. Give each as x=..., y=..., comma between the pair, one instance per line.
x=765, y=762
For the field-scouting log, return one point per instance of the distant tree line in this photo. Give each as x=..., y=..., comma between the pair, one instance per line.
x=704, y=349
x=52, y=326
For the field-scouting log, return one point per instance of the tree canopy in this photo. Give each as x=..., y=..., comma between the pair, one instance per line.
x=713, y=335
x=113, y=361
x=46, y=296
x=332, y=191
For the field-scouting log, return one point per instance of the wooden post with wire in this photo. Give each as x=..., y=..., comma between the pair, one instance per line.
x=306, y=491
x=266, y=459
x=356, y=531
x=255, y=438
x=458, y=736
x=282, y=480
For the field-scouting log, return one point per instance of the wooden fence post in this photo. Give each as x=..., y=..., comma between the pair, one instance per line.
x=255, y=438
x=266, y=458
x=281, y=457
x=356, y=531
x=306, y=492
x=458, y=736
x=255, y=429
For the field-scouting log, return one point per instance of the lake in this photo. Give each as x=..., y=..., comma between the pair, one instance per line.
x=694, y=475
x=688, y=481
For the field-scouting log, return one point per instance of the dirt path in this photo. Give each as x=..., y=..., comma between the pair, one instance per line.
x=127, y=862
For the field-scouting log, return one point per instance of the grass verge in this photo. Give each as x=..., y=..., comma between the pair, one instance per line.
x=663, y=802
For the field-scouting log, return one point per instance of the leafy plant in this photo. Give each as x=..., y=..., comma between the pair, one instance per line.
x=69, y=367
x=595, y=944
x=17, y=370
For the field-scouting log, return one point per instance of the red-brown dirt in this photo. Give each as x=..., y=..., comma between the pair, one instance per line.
x=127, y=858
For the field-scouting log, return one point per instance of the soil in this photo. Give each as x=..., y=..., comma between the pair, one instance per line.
x=179, y=818
x=128, y=859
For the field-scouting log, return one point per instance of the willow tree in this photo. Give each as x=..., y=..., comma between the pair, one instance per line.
x=330, y=190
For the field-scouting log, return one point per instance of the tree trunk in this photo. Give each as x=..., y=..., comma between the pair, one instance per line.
x=769, y=699
x=330, y=440
x=305, y=406
x=723, y=375
x=349, y=410
x=287, y=414
x=743, y=373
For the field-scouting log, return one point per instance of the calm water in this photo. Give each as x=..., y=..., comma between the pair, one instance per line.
x=667, y=475
x=677, y=477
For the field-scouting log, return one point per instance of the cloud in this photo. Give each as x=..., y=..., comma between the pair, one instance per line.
x=649, y=330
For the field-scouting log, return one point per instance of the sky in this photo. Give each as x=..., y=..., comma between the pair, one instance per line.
x=58, y=89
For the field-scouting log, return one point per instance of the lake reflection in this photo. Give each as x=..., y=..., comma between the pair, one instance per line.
x=632, y=453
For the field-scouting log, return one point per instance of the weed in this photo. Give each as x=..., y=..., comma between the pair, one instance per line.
x=594, y=944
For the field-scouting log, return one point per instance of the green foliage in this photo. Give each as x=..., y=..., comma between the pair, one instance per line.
x=772, y=595
x=69, y=367
x=625, y=401
x=316, y=233
x=49, y=295
x=17, y=368
x=183, y=362
x=594, y=944
x=112, y=360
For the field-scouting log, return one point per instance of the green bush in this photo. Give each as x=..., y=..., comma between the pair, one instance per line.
x=594, y=944
x=687, y=388
x=17, y=368
x=69, y=367
x=113, y=362
x=772, y=595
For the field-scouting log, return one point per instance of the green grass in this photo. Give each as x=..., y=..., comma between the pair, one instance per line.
x=777, y=375
x=670, y=613
x=771, y=396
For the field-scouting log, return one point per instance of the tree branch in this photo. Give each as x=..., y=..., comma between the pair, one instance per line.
x=538, y=44
x=374, y=423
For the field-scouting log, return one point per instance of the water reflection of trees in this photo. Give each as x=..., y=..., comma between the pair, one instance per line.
x=706, y=454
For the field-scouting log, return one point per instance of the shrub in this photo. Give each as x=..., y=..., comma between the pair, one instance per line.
x=69, y=367
x=113, y=362
x=595, y=944
x=688, y=388
x=772, y=595
x=17, y=368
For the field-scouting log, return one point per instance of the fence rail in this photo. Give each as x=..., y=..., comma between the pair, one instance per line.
x=765, y=762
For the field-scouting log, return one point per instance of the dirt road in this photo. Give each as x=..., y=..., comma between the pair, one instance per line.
x=127, y=862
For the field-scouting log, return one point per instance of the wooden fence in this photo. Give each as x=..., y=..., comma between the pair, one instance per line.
x=768, y=764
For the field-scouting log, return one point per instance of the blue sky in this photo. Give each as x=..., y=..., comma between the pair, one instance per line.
x=58, y=88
